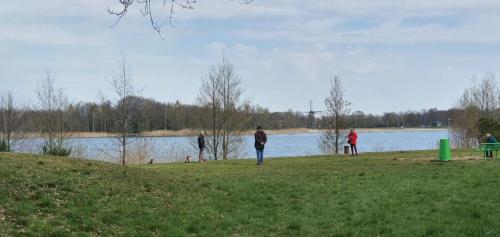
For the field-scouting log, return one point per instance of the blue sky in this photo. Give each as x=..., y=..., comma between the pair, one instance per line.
x=393, y=55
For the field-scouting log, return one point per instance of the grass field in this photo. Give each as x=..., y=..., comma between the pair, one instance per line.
x=373, y=195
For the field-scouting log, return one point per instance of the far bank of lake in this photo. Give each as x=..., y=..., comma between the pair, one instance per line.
x=193, y=132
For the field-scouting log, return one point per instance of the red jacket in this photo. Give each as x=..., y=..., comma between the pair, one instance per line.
x=352, y=137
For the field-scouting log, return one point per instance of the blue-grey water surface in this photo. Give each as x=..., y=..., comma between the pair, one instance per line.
x=172, y=149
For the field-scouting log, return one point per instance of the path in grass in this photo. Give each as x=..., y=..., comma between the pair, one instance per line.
x=320, y=196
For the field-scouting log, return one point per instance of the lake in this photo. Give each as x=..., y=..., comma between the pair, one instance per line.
x=174, y=149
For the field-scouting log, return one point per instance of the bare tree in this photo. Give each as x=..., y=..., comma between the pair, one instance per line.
x=485, y=94
x=220, y=96
x=147, y=9
x=327, y=141
x=53, y=122
x=336, y=118
x=481, y=100
x=231, y=93
x=10, y=121
x=125, y=107
x=211, y=101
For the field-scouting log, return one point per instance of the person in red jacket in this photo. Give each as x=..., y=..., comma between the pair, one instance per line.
x=352, y=139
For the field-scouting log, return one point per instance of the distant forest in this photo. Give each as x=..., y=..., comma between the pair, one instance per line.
x=153, y=115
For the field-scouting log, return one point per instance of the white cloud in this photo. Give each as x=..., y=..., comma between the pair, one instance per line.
x=325, y=30
x=47, y=34
x=34, y=8
x=293, y=20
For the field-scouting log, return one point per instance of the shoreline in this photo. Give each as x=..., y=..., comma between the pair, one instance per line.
x=193, y=132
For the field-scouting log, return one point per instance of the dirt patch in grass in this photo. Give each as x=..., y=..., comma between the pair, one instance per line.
x=468, y=158
x=454, y=158
x=397, y=158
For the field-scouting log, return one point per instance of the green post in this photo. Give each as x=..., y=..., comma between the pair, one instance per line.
x=444, y=150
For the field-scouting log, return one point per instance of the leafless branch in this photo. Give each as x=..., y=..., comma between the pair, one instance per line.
x=147, y=11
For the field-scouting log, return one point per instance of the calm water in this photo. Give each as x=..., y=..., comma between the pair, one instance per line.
x=172, y=149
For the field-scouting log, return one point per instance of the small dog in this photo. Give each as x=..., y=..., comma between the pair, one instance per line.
x=188, y=159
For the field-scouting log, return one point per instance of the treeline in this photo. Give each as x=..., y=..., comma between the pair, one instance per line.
x=432, y=118
x=152, y=115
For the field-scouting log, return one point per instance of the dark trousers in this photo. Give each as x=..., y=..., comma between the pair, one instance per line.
x=260, y=156
x=200, y=156
x=354, y=149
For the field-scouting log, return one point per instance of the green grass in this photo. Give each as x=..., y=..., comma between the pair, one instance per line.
x=372, y=195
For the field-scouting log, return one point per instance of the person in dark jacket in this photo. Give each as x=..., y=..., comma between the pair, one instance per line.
x=201, y=146
x=490, y=139
x=260, y=142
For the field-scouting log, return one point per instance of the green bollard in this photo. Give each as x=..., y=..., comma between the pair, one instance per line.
x=444, y=150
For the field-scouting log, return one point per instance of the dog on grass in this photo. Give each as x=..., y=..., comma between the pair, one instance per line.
x=188, y=159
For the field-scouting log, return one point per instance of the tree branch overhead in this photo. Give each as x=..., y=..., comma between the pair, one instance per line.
x=147, y=10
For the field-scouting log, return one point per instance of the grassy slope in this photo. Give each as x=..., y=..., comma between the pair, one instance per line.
x=372, y=195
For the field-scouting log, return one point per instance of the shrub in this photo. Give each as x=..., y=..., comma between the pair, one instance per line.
x=489, y=125
x=55, y=150
x=4, y=147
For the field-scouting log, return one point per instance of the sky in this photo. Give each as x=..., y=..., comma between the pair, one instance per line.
x=392, y=55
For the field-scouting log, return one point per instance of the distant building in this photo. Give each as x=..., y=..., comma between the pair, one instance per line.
x=437, y=124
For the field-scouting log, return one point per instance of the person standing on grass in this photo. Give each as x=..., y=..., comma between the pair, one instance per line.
x=260, y=141
x=201, y=146
x=490, y=139
x=352, y=139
